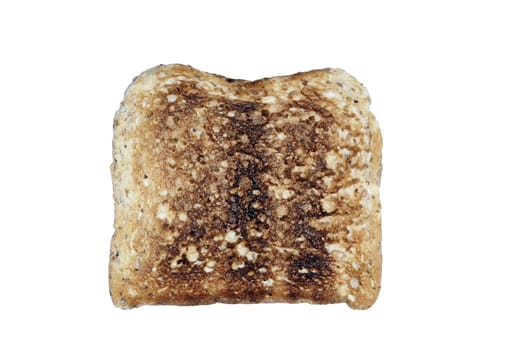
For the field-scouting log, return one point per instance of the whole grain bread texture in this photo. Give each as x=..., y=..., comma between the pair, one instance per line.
x=237, y=191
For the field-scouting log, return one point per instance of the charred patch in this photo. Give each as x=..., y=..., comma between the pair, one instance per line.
x=294, y=292
x=246, y=208
x=197, y=232
x=308, y=206
x=257, y=244
x=196, y=99
x=249, y=197
x=172, y=250
x=309, y=268
x=247, y=272
x=244, y=107
x=313, y=236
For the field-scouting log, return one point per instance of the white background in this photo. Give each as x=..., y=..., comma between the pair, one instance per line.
x=447, y=81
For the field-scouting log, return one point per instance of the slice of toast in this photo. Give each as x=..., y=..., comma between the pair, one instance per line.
x=238, y=191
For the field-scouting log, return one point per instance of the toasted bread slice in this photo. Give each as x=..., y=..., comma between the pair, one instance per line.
x=238, y=191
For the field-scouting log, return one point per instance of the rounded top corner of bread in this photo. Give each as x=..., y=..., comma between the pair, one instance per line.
x=149, y=79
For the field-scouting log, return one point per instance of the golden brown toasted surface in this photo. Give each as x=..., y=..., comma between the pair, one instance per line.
x=245, y=191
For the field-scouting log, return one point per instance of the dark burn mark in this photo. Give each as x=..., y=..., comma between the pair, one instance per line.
x=172, y=250
x=246, y=112
x=327, y=118
x=310, y=268
x=250, y=194
x=192, y=96
x=181, y=261
x=242, y=211
x=198, y=233
x=191, y=231
x=257, y=244
x=308, y=205
x=235, y=212
x=246, y=272
x=197, y=213
x=314, y=237
x=244, y=107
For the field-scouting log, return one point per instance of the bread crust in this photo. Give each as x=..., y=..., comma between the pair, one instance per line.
x=238, y=191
